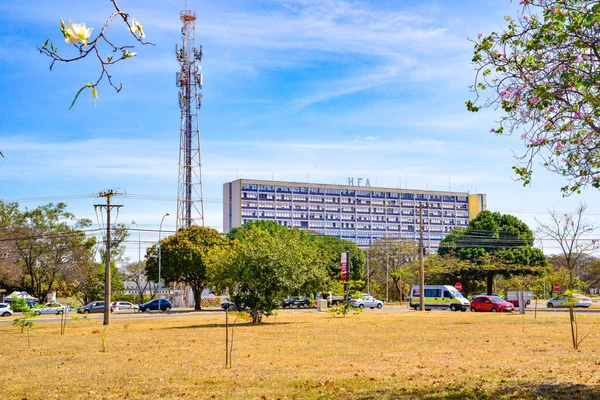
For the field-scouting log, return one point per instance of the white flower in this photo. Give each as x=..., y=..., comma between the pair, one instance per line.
x=77, y=33
x=137, y=27
x=128, y=54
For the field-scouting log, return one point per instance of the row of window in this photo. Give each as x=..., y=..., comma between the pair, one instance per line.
x=365, y=193
x=352, y=209
x=337, y=200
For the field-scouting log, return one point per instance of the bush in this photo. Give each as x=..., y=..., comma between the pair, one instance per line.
x=19, y=304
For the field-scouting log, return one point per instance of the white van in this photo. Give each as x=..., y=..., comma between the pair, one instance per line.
x=440, y=297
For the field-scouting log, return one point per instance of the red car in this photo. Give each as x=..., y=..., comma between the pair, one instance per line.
x=490, y=303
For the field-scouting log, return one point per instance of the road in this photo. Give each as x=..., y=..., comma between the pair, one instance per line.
x=189, y=312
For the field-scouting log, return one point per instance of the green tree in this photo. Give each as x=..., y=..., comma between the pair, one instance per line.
x=396, y=260
x=264, y=265
x=90, y=278
x=185, y=258
x=492, y=244
x=541, y=69
x=43, y=244
x=332, y=248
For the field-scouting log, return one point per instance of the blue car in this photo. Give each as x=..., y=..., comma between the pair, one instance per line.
x=165, y=305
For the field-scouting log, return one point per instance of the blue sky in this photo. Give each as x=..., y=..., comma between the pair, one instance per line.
x=293, y=90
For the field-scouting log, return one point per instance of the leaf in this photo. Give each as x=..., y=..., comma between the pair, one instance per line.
x=77, y=95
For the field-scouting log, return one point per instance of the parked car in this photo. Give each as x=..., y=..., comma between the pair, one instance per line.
x=515, y=303
x=165, y=305
x=123, y=306
x=5, y=310
x=231, y=306
x=93, y=307
x=295, y=301
x=30, y=304
x=366, y=301
x=50, y=308
x=490, y=303
x=563, y=301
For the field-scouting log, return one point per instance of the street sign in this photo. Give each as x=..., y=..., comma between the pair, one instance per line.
x=556, y=287
x=458, y=286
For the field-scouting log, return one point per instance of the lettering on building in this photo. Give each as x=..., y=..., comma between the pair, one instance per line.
x=359, y=182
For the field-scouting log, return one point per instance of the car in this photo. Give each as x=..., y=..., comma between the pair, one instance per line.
x=123, y=306
x=366, y=301
x=165, y=305
x=490, y=303
x=295, y=301
x=29, y=303
x=50, y=308
x=231, y=306
x=563, y=301
x=93, y=307
x=5, y=310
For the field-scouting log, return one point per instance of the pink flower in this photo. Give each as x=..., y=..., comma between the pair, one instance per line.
x=526, y=17
x=547, y=124
x=577, y=114
x=524, y=136
x=533, y=100
x=479, y=35
x=554, y=10
x=492, y=130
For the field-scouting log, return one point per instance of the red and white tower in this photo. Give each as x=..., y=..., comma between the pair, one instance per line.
x=190, y=206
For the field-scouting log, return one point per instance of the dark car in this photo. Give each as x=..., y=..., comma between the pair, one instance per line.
x=93, y=307
x=296, y=301
x=165, y=305
x=231, y=306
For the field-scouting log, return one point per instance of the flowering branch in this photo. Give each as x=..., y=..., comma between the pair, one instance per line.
x=543, y=71
x=79, y=36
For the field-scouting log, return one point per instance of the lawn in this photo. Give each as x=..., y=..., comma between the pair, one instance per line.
x=306, y=355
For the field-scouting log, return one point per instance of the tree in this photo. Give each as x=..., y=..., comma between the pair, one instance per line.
x=541, y=69
x=492, y=244
x=332, y=248
x=184, y=258
x=136, y=272
x=42, y=243
x=86, y=45
x=567, y=230
x=264, y=265
x=89, y=280
x=397, y=259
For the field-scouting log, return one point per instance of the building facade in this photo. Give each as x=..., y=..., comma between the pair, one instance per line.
x=361, y=214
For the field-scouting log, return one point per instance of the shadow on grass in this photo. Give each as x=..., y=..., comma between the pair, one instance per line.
x=538, y=391
x=237, y=325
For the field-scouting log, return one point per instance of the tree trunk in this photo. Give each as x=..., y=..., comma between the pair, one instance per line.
x=197, y=297
x=490, y=282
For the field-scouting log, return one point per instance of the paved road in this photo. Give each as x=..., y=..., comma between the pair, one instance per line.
x=189, y=312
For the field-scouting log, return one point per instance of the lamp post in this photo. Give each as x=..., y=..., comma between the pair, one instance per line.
x=159, y=258
x=139, y=262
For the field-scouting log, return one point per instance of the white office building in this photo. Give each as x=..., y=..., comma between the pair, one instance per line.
x=361, y=214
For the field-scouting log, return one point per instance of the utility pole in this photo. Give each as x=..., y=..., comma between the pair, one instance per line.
x=421, y=260
x=107, y=288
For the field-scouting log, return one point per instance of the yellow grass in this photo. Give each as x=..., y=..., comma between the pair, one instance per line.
x=305, y=355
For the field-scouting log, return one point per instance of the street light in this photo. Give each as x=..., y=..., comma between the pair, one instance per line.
x=159, y=257
x=139, y=262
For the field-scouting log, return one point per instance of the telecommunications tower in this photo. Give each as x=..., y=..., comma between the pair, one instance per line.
x=190, y=206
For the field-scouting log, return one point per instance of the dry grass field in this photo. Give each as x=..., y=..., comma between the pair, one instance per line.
x=306, y=355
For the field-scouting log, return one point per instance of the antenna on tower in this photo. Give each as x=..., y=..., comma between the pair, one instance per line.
x=190, y=205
